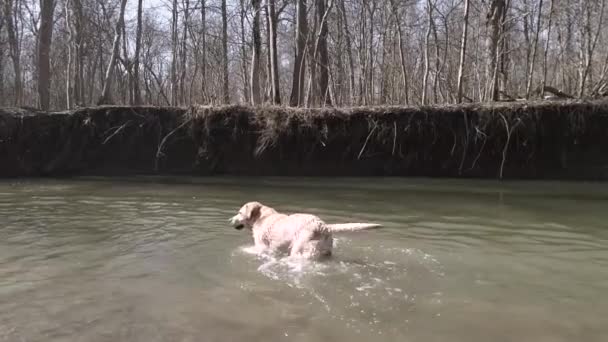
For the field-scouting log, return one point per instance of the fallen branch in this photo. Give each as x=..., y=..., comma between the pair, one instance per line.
x=506, y=96
x=554, y=91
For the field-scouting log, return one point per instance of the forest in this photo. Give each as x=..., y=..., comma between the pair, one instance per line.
x=65, y=54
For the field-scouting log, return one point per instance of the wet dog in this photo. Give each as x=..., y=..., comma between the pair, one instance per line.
x=298, y=235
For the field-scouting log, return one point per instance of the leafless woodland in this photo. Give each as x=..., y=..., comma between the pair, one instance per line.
x=58, y=54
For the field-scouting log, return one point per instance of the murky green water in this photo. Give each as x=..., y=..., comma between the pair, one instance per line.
x=145, y=260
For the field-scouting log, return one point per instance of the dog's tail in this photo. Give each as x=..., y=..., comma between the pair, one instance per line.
x=351, y=227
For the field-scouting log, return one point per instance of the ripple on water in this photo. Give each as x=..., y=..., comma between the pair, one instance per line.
x=373, y=292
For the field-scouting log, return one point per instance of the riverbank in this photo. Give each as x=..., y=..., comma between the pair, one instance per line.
x=545, y=140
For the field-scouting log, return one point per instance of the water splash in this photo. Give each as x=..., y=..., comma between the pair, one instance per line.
x=367, y=292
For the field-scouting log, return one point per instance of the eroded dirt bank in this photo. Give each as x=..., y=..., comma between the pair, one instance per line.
x=514, y=140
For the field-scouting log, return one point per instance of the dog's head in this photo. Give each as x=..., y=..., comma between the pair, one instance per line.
x=247, y=215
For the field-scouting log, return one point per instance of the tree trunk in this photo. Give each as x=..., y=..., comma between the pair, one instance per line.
x=68, y=75
x=274, y=65
x=543, y=82
x=246, y=91
x=268, y=83
x=184, y=54
x=203, y=50
x=136, y=87
x=437, y=61
x=2, y=96
x=370, y=57
x=297, y=87
x=404, y=76
x=528, y=22
x=45, y=36
x=495, y=17
x=323, y=84
x=107, y=87
x=463, y=50
x=362, y=55
x=534, y=48
x=174, y=38
x=427, y=62
x=77, y=14
x=503, y=58
x=349, y=52
x=15, y=51
x=126, y=91
x=225, y=87
x=588, y=45
x=257, y=50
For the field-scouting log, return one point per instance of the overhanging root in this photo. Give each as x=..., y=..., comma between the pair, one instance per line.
x=483, y=145
x=509, y=131
x=159, y=151
x=466, y=142
x=394, y=137
x=367, y=140
x=118, y=130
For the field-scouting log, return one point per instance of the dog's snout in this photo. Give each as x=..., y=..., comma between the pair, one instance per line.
x=236, y=222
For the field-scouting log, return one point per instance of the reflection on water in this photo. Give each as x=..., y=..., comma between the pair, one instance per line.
x=150, y=260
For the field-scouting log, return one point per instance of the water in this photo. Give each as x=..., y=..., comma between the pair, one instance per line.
x=155, y=260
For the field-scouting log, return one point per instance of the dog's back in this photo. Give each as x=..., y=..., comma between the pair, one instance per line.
x=299, y=234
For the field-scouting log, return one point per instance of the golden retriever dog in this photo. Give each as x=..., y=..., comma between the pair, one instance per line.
x=298, y=235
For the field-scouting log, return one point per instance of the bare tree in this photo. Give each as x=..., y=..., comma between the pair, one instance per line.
x=321, y=47
x=543, y=82
x=2, y=48
x=78, y=41
x=366, y=52
x=402, y=61
x=297, y=86
x=225, y=86
x=184, y=53
x=495, y=19
x=257, y=50
x=136, y=87
x=203, y=50
x=274, y=66
x=174, y=44
x=427, y=47
x=15, y=51
x=534, y=48
x=463, y=49
x=107, y=87
x=349, y=52
x=589, y=40
x=47, y=9
x=246, y=91
x=70, y=42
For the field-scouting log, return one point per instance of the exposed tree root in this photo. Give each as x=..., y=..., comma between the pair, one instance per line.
x=159, y=150
x=116, y=131
x=367, y=139
x=520, y=139
x=509, y=130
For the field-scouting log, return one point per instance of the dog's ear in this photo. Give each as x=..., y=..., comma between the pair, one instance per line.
x=253, y=212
